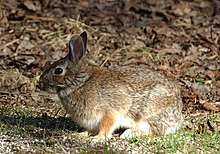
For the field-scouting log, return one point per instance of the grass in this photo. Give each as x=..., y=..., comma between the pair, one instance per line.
x=185, y=142
x=29, y=132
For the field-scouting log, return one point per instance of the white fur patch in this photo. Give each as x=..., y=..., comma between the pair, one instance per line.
x=141, y=128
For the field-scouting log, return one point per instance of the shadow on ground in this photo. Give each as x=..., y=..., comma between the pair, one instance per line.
x=11, y=118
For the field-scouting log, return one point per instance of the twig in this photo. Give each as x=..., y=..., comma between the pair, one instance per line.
x=34, y=18
x=12, y=42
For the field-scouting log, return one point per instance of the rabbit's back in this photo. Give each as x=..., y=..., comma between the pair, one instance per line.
x=133, y=92
x=149, y=89
x=143, y=87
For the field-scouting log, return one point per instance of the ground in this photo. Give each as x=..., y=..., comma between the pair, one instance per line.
x=177, y=38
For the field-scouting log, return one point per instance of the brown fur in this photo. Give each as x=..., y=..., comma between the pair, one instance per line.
x=106, y=125
x=103, y=100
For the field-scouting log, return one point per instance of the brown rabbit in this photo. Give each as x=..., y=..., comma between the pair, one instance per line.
x=103, y=100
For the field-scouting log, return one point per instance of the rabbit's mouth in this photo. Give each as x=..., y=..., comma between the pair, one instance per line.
x=63, y=92
x=49, y=88
x=56, y=88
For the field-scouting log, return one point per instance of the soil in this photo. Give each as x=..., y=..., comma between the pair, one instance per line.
x=177, y=38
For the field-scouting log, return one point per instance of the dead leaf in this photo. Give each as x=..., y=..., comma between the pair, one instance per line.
x=192, y=57
x=181, y=9
x=12, y=4
x=57, y=12
x=3, y=18
x=199, y=89
x=33, y=5
x=25, y=59
x=137, y=45
x=214, y=75
x=25, y=45
x=211, y=107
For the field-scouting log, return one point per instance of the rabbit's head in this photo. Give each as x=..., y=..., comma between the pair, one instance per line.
x=64, y=72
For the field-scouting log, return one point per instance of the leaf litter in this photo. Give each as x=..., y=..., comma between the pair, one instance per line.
x=177, y=38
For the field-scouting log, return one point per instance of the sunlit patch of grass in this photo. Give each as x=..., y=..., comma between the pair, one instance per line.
x=187, y=142
x=24, y=128
x=182, y=142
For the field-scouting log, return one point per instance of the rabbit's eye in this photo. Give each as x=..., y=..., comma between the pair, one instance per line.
x=58, y=71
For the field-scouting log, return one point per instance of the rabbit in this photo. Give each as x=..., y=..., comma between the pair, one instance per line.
x=103, y=100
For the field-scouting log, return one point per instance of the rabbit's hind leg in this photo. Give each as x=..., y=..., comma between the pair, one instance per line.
x=107, y=126
x=141, y=129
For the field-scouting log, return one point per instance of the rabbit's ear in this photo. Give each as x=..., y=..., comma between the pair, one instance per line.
x=77, y=47
x=84, y=37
